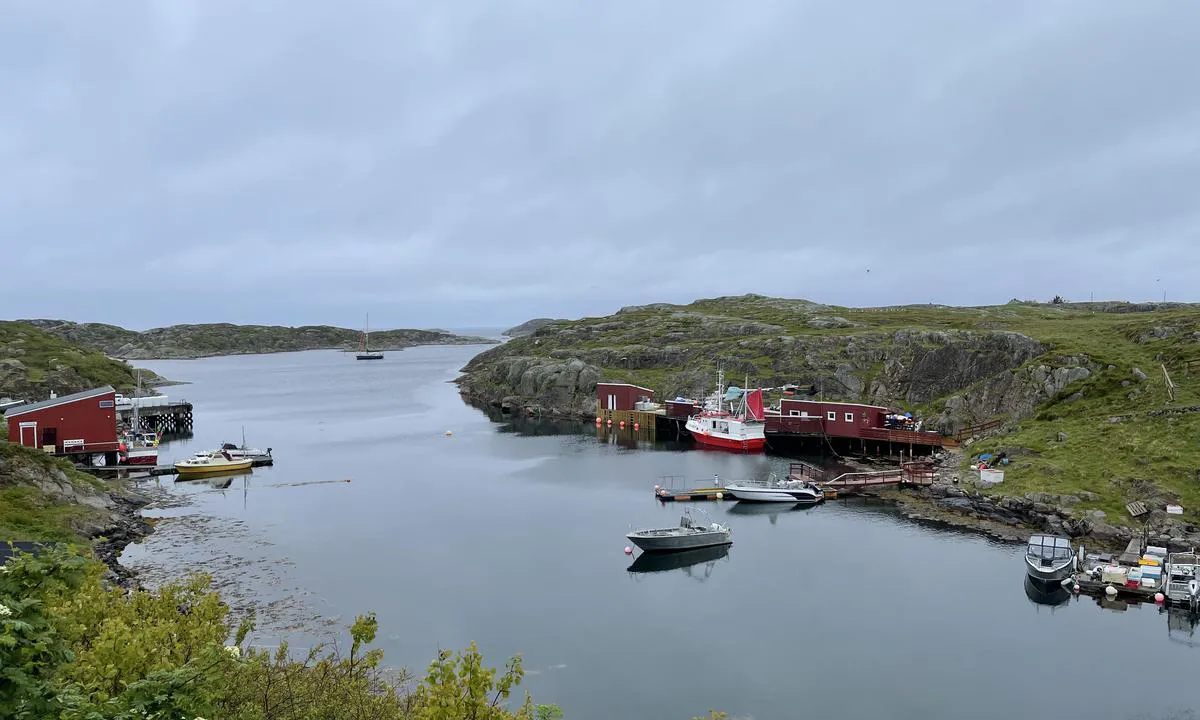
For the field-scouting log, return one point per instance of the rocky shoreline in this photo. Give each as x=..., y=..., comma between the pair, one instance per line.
x=955, y=501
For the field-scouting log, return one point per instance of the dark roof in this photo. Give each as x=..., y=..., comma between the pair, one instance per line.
x=52, y=402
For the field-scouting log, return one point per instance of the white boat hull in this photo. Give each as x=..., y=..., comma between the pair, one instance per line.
x=781, y=495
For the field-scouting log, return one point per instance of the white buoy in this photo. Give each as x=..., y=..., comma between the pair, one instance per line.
x=1110, y=591
x=448, y=433
x=720, y=496
x=628, y=550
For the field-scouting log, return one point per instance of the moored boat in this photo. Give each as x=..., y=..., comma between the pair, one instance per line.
x=686, y=536
x=1049, y=558
x=800, y=492
x=366, y=353
x=210, y=464
x=1182, y=581
x=741, y=429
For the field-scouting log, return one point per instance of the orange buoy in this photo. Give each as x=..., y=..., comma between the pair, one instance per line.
x=628, y=550
x=610, y=423
x=598, y=421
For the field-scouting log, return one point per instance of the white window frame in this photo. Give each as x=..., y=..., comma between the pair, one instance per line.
x=794, y=413
x=849, y=417
x=831, y=415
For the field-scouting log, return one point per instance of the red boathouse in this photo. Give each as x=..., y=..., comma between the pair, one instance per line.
x=81, y=423
x=620, y=396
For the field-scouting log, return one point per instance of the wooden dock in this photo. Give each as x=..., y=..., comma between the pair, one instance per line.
x=679, y=495
x=169, y=416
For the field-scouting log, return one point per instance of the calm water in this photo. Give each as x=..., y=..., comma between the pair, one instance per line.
x=515, y=541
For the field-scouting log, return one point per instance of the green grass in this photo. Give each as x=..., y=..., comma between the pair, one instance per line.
x=28, y=514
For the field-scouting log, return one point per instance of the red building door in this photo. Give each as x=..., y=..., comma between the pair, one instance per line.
x=29, y=434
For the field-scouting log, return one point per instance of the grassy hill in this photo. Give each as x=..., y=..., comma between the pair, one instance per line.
x=192, y=341
x=1081, y=386
x=34, y=362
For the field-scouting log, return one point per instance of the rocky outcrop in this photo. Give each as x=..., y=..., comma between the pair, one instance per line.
x=534, y=386
x=194, y=341
x=69, y=502
x=528, y=327
x=1014, y=393
x=902, y=367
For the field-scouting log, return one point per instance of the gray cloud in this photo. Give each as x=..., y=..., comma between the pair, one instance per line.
x=475, y=162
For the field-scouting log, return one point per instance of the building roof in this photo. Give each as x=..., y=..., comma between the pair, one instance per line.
x=52, y=402
x=612, y=384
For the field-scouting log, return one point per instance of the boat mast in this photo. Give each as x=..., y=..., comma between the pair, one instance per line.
x=137, y=426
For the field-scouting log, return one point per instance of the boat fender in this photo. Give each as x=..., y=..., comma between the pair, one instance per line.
x=1194, y=587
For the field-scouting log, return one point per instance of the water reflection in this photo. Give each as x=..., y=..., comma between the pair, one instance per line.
x=685, y=561
x=1051, y=594
x=771, y=510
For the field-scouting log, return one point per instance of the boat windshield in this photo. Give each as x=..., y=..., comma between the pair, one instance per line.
x=1048, y=547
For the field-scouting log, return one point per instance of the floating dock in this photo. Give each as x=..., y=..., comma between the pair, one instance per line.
x=681, y=494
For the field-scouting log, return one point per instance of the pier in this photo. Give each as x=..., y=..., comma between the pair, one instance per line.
x=160, y=415
x=915, y=472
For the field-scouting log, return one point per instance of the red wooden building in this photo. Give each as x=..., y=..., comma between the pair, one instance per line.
x=85, y=422
x=620, y=396
x=854, y=421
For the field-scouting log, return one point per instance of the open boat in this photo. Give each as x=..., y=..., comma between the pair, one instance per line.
x=211, y=464
x=799, y=492
x=1049, y=558
x=686, y=536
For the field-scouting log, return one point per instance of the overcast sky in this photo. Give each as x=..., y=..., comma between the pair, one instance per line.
x=480, y=163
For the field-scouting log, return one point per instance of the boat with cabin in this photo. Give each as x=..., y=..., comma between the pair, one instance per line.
x=774, y=490
x=211, y=463
x=740, y=428
x=241, y=452
x=1182, y=579
x=1049, y=558
x=365, y=352
x=686, y=536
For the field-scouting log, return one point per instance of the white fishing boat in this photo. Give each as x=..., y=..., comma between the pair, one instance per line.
x=1049, y=558
x=740, y=428
x=799, y=492
x=686, y=536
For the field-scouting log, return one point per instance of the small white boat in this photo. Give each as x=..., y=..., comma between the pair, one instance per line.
x=1049, y=558
x=686, y=536
x=241, y=452
x=799, y=492
x=1183, y=579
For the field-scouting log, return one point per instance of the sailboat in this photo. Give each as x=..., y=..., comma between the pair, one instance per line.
x=138, y=446
x=365, y=353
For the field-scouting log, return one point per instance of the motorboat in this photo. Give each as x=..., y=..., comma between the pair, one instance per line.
x=211, y=464
x=1183, y=579
x=797, y=492
x=1049, y=558
x=241, y=452
x=686, y=536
